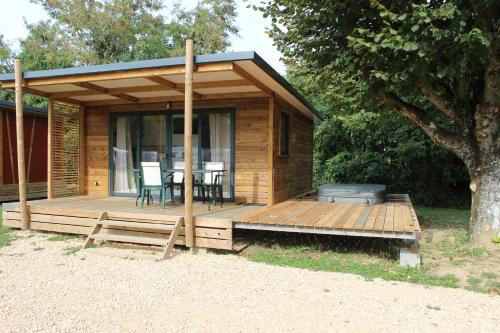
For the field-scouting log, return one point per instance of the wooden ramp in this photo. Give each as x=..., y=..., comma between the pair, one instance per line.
x=395, y=218
x=153, y=223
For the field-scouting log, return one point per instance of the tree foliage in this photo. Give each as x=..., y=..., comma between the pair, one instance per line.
x=96, y=32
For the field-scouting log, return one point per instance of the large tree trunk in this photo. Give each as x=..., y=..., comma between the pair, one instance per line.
x=485, y=209
x=485, y=177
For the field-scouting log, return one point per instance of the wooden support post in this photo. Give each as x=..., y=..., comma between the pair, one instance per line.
x=82, y=179
x=21, y=167
x=270, y=150
x=50, y=155
x=188, y=145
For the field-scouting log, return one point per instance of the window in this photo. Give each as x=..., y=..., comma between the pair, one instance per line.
x=284, y=133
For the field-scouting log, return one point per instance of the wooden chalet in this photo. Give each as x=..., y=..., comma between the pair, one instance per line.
x=104, y=120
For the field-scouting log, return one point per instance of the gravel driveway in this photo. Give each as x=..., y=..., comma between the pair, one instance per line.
x=44, y=290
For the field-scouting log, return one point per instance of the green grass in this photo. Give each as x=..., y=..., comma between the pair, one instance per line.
x=443, y=218
x=72, y=250
x=309, y=258
x=376, y=259
x=455, y=245
x=62, y=237
x=431, y=307
x=6, y=233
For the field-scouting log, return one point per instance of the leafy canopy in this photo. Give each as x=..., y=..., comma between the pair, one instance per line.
x=95, y=32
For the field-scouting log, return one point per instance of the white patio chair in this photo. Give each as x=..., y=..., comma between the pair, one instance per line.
x=213, y=182
x=152, y=180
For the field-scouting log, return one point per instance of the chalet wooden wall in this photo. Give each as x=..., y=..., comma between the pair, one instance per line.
x=292, y=174
x=251, y=176
x=96, y=144
x=251, y=154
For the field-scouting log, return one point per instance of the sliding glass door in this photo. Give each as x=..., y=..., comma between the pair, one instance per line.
x=124, y=149
x=216, y=142
x=159, y=136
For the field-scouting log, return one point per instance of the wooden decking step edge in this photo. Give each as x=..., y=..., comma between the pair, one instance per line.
x=127, y=224
x=131, y=239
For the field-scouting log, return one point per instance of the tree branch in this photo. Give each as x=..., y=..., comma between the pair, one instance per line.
x=440, y=136
x=438, y=102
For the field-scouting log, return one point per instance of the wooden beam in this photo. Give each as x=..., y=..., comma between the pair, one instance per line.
x=247, y=76
x=160, y=99
x=21, y=167
x=47, y=95
x=105, y=91
x=153, y=88
x=270, y=149
x=188, y=145
x=166, y=83
x=50, y=152
x=138, y=73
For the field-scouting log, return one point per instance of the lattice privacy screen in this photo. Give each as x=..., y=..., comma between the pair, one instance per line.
x=65, y=149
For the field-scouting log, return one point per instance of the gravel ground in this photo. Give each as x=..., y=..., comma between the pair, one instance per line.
x=44, y=290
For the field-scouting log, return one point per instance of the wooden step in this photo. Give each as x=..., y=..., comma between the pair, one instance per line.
x=131, y=239
x=128, y=224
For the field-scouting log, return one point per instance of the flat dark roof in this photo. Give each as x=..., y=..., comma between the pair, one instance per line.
x=12, y=106
x=168, y=62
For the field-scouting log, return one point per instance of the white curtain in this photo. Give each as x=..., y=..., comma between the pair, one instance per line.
x=124, y=177
x=220, y=142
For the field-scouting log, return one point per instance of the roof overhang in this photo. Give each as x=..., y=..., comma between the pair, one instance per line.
x=216, y=76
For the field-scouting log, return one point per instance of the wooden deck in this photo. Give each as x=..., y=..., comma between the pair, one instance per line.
x=214, y=229
x=77, y=215
x=395, y=218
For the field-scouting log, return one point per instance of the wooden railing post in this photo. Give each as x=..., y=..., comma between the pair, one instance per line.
x=21, y=166
x=188, y=145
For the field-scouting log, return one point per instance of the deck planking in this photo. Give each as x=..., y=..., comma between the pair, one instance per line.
x=394, y=218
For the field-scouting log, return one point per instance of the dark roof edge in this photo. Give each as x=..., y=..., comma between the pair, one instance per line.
x=125, y=66
x=281, y=80
x=11, y=105
x=167, y=62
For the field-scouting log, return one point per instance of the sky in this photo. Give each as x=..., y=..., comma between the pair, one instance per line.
x=252, y=36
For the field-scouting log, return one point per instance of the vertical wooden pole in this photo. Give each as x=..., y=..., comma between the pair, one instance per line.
x=21, y=167
x=270, y=150
x=188, y=145
x=1, y=147
x=50, y=155
x=82, y=179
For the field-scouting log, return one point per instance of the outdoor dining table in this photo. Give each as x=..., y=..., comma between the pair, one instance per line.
x=170, y=171
x=201, y=171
